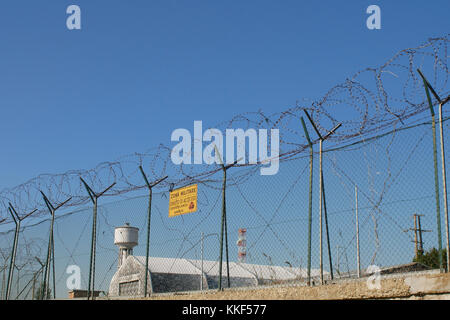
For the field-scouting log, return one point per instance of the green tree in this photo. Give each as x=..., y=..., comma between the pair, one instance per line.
x=430, y=258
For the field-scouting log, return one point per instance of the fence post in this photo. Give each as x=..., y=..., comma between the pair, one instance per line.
x=223, y=227
x=51, y=248
x=36, y=274
x=17, y=220
x=444, y=182
x=321, y=201
x=13, y=256
x=149, y=216
x=358, y=263
x=201, y=275
x=326, y=227
x=224, y=185
x=311, y=158
x=436, y=178
x=94, y=198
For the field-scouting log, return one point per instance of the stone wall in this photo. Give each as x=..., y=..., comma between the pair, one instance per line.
x=420, y=285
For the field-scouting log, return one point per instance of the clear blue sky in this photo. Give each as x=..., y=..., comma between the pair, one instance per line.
x=137, y=71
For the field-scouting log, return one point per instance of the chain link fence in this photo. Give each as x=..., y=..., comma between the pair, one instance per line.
x=392, y=186
x=384, y=173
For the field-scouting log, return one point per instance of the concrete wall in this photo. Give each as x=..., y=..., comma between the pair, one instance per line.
x=418, y=285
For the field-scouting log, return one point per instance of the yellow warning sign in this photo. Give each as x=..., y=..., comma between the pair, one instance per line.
x=183, y=200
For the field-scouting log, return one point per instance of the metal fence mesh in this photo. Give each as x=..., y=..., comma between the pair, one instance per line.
x=391, y=164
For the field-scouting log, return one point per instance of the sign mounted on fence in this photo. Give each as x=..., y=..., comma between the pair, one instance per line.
x=183, y=200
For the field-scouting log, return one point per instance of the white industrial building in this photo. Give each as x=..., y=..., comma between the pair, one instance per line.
x=179, y=274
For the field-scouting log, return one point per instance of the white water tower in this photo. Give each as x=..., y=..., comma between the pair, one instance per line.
x=126, y=238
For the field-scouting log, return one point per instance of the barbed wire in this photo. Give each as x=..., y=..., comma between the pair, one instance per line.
x=373, y=100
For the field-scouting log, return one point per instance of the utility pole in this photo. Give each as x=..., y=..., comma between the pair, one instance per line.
x=420, y=233
x=429, y=88
x=149, y=216
x=418, y=242
x=94, y=198
x=322, y=201
x=416, y=249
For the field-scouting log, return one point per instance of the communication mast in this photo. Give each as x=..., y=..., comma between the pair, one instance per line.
x=242, y=245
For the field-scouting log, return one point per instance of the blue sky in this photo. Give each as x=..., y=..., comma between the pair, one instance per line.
x=135, y=72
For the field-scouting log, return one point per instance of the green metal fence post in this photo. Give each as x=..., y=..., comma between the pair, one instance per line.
x=94, y=198
x=13, y=255
x=311, y=158
x=444, y=182
x=326, y=228
x=51, y=248
x=223, y=224
x=435, y=163
x=322, y=199
x=444, y=176
x=147, y=250
x=149, y=215
x=17, y=220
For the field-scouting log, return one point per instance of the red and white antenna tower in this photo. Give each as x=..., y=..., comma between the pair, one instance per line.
x=242, y=245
